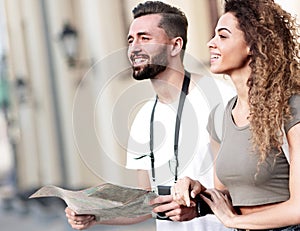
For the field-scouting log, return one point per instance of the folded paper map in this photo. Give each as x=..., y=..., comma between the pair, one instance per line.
x=106, y=201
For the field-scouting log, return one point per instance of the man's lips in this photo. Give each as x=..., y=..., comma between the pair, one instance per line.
x=139, y=60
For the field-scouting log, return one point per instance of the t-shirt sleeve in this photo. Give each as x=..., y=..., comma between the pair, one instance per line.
x=137, y=155
x=295, y=110
x=138, y=141
x=211, y=129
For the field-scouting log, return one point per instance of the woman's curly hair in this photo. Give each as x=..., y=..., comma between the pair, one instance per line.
x=273, y=37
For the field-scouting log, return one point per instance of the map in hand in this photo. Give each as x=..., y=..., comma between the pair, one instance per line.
x=106, y=201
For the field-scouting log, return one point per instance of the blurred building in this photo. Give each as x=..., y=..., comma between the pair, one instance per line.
x=69, y=116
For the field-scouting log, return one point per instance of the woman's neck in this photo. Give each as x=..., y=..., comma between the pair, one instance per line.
x=241, y=111
x=240, y=79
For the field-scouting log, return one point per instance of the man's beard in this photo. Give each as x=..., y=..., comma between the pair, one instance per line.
x=149, y=71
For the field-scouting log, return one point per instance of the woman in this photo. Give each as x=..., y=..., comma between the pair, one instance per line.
x=257, y=45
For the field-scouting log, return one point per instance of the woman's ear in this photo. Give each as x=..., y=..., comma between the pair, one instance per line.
x=177, y=44
x=249, y=51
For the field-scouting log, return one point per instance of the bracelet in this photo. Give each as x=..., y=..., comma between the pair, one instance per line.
x=198, y=208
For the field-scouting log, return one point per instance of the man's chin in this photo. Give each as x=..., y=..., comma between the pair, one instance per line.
x=149, y=72
x=138, y=73
x=139, y=77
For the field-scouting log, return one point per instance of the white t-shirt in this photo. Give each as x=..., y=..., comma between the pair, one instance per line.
x=195, y=158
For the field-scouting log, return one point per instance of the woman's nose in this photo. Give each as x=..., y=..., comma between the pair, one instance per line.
x=211, y=43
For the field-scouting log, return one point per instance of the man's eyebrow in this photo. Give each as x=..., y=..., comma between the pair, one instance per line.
x=224, y=28
x=139, y=34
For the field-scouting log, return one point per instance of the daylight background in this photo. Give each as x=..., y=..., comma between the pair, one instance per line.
x=67, y=98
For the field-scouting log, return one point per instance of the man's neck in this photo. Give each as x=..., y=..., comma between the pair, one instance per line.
x=168, y=84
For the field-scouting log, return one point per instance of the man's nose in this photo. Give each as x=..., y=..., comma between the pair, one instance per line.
x=134, y=48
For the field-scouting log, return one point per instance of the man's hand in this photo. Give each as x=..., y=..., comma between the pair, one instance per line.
x=79, y=222
x=172, y=209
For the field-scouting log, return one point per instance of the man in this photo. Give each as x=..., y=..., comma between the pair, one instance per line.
x=156, y=42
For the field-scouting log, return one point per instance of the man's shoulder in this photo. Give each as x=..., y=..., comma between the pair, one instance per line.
x=142, y=111
x=199, y=79
x=213, y=88
x=145, y=106
x=225, y=87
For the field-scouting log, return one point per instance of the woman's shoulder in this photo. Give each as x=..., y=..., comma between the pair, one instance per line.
x=294, y=101
x=231, y=102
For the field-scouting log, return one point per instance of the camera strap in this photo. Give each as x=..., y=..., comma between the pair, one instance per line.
x=184, y=92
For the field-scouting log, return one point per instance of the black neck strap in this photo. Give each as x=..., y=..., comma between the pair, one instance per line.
x=184, y=92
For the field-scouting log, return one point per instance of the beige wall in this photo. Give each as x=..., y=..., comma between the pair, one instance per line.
x=77, y=137
x=292, y=6
x=69, y=139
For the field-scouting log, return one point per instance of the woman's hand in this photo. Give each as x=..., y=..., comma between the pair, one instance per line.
x=79, y=221
x=185, y=189
x=221, y=205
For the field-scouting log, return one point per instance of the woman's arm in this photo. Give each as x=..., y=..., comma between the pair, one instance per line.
x=215, y=147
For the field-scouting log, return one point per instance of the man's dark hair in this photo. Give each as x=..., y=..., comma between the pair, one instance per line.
x=173, y=20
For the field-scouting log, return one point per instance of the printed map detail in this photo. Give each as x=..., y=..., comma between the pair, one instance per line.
x=106, y=201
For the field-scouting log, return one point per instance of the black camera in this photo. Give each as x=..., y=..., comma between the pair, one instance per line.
x=202, y=207
x=163, y=190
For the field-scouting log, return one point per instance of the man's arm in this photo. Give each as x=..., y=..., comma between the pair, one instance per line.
x=81, y=222
x=85, y=221
x=143, y=180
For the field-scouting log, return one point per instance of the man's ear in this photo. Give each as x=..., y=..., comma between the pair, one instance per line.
x=177, y=44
